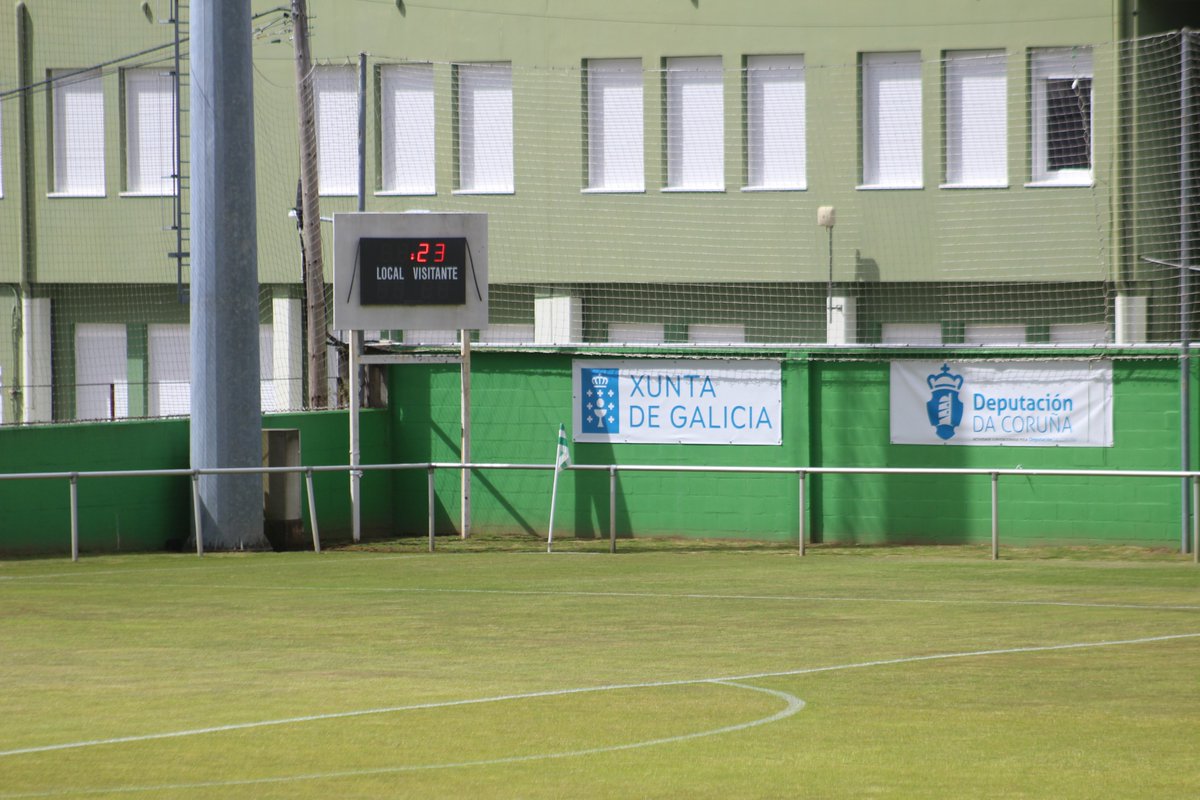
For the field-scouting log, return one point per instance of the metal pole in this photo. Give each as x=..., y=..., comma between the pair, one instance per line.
x=362, y=131
x=465, y=372
x=1185, y=257
x=612, y=509
x=356, y=336
x=1196, y=520
x=74, y=517
x=431, y=500
x=355, y=454
x=310, y=212
x=26, y=171
x=829, y=290
x=553, y=501
x=226, y=412
x=312, y=509
x=995, y=516
x=196, y=515
x=801, y=526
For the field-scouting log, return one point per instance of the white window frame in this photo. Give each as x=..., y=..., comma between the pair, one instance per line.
x=507, y=333
x=101, y=371
x=335, y=106
x=716, y=333
x=892, y=125
x=1058, y=64
x=976, y=97
x=1000, y=334
x=616, y=125
x=78, y=133
x=695, y=89
x=1079, y=333
x=169, y=354
x=484, y=95
x=430, y=336
x=636, y=333
x=407, y=135
x=776, y=137
x=149, y=132
x=913, y=333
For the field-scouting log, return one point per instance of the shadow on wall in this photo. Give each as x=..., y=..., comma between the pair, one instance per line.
x=592, y=512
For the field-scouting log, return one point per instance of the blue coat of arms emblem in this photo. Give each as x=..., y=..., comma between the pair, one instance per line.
x=944, y=408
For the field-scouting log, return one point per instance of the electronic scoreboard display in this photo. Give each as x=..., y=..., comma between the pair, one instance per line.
x=412, y=271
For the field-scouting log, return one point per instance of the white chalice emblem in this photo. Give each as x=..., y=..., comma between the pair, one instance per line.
x=600, y=384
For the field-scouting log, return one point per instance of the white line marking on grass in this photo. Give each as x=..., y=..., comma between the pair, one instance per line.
x=793, y=705
x=583, y=690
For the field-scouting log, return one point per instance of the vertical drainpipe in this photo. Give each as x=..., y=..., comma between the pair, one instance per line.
x=25, y=178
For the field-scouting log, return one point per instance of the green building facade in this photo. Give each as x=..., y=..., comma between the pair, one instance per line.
x=730, y=173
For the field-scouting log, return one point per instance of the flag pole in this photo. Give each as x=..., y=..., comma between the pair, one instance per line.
x=562, y=458
x=553, y=501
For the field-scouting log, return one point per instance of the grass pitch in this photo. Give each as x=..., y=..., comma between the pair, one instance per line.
x=663, y=671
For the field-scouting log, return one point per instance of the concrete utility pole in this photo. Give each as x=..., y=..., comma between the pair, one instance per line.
x=310, y=213
x=226, y=428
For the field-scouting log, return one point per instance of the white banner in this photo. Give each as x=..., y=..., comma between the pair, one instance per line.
x=690, y=402
x=1021, y=403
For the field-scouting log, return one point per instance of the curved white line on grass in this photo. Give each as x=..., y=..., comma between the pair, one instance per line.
x=239, y=726
x=793, y=705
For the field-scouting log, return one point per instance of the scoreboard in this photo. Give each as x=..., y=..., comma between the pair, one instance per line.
x=410, y=270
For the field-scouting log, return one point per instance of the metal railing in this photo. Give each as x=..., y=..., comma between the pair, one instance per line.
x=802, y=474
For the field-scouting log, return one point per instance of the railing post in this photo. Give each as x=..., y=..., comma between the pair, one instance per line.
x=995, y=516
x=74, y=517
x=801, y=527
x=612, y=508
x=432, y=507
x=312, y=509
x=1196, y=519
x=196, y=512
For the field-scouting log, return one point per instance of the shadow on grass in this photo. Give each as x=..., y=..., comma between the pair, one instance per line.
x=524, y=543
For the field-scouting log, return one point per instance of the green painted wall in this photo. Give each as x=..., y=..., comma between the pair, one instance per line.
x=119, y=514
x=835, y=414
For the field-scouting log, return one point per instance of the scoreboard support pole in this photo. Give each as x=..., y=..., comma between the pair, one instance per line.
x=465, y=338
x=356, y=338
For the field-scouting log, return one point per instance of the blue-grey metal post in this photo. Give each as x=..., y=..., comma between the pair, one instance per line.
x=1185, y=258
x=196, y=513
x=801, y=527
x=312, y=509
x=612, y=508
x=1196, y=520
x=432, y=502
x=74, y=517
x=226, y=428
x=995, y=516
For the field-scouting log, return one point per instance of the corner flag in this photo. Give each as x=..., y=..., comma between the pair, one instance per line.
x=562, y=460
